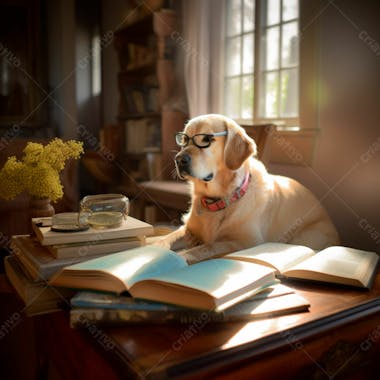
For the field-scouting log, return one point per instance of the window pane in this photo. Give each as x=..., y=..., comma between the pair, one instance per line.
x=289, y=93
x=249, y=15
x=247, y=97
x=271, y=94
x=279, y=60
x=273, y=12
x=289, y=9
x=233, y=56
x=232, y=97
x=290, y=44
x=233, y=17
x=248, y=51
x=272, y=47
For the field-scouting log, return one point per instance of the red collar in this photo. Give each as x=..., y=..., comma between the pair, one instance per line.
x=213, y=204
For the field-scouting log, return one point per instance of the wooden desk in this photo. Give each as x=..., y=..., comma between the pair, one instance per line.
x=338, y=338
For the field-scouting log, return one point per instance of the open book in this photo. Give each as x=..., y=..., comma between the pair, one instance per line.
x=157, y=274
x=336, y=264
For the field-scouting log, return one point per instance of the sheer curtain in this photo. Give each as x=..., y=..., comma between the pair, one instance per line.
x=203, y=54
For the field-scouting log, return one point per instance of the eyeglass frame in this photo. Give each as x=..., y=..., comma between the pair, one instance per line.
x=188, y=138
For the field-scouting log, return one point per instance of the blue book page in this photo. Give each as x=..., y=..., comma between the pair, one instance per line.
x=218, y=277
x=133, y=265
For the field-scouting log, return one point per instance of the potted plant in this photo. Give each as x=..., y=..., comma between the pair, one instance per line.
x=38, y=173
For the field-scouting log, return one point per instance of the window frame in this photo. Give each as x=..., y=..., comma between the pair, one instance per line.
x=296, y=134
x=288, y=123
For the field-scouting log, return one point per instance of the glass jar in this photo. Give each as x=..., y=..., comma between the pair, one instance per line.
x=103, y=210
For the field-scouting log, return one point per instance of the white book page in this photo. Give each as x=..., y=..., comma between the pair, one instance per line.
x=129, y=266
x=280, y=256
x=343, y=262
x=206, y=284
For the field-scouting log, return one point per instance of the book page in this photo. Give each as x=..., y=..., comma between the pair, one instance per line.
x=342, y=262
x=128, y=266
x=206, y=284
x=280, y=256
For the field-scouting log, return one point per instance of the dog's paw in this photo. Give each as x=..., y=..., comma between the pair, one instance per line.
x=163, y=243
x=191, y=240
x=188, y=256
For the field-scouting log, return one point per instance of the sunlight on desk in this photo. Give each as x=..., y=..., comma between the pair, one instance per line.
x=258, y=349
x=258, y=329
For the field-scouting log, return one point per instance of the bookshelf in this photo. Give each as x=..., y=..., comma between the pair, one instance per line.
x=149, y=91
x=139, y=109
x=146, y=78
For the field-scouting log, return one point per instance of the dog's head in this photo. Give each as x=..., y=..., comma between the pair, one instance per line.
x=212, y=144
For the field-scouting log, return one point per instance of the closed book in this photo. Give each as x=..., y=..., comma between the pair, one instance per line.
x=110, y=310
x=95, y=248
x=38, y=297
x=37, y=260
x=130, y=228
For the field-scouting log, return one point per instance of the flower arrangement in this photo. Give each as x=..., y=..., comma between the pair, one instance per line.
x=37, y=173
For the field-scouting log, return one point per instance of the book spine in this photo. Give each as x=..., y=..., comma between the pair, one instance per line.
x=92, y=249
x=82, y=317
x=30, y=274
x=29, y=268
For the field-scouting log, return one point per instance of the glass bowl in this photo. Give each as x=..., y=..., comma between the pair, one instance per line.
x=103, y=210
x=67, y=222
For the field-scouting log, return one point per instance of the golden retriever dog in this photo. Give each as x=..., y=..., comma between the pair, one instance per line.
x=236, y=203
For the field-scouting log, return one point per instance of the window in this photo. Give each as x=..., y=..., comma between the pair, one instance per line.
x=262, y=61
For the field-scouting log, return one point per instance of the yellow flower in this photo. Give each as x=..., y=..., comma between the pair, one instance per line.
x=42, y=181
x=32, y=153
x=38, y=171
x=11, y=178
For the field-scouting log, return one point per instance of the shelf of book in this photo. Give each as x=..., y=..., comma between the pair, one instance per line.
x=141, y=143
x=139, y=111
x=146, y=82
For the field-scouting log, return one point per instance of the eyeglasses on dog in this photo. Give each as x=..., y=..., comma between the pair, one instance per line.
x=201, y=140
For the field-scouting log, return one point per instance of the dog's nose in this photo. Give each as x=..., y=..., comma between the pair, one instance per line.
x=183, y=160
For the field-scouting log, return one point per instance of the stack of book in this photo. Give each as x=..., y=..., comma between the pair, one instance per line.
x=92, y=241
x=242, y=285
x=35, y=259
x=150, y=284
x=163, y=288
x=28, y=269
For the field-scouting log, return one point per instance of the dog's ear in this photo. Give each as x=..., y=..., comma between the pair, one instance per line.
x=239, y=146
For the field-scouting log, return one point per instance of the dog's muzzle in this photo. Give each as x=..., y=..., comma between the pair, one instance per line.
x=183, y=163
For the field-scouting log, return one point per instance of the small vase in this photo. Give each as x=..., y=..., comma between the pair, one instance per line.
x=40, y=207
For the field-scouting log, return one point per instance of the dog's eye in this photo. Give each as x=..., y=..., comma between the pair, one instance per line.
x=204, y=140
